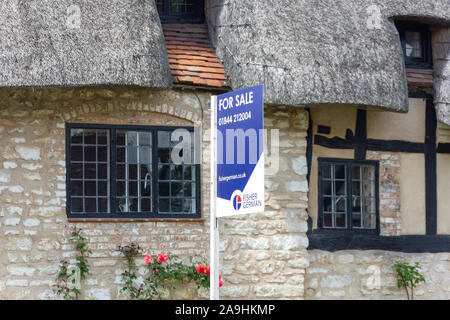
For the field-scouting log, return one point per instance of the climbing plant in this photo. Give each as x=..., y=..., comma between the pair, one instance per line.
x=70, y=277
x=408, y=277
x=164, y=272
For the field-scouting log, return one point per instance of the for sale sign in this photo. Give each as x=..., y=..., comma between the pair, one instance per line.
x=240, y=152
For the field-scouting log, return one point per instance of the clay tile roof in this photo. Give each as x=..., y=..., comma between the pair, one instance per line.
x=192, y=59
x=419, y=77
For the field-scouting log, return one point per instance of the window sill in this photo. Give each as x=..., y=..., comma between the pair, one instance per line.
x=78, y=220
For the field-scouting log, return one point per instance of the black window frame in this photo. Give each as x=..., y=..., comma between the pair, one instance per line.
x=112, y=154
x=426, y=62
x=197, y=16
x=348, y=163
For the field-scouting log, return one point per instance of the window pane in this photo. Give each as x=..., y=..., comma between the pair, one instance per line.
x=120, y=171
x=90, y=188
x=76, y=188
x=341, y=204
x=90, y=137
x=120, y=155
x=102, y=188
x=76, y=205
x=341, y=221
x=76, y=136
x=164, y=189
x=103, y=137
x=135, y=176
x=189, y=173
x=368, y=172
x=326, y=188
x=164, y=155
x=413, y=44
x=363, y=197
x=146, y=205
x=90, y=153
x=356, y=220
x=103, y=204
x=164, y=172
x=164, y=205
x=328, y=220
x=90, y=171
x=176, y=173
x=76, y=153
x=326, y=171
x=102, y=154
x=120, y=138
x=76, y=171
x=176, y=205
x=146, y=189
x=334, y=195
x=341, y=187
x=327, y=207
x=174, y=180
x=145, y=139
x=88, y=146
x=176, y=189
x=339, y=171
x=189, y=189
x=103, y=171
x=90, y=205
x=163, y=139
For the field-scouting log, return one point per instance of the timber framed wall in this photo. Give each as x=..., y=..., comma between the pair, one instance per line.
x=402, y=143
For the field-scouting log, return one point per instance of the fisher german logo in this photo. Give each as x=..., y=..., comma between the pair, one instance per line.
x=245, y=201
x=237, y=201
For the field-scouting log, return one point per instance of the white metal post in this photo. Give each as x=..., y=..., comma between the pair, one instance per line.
x=214, y=231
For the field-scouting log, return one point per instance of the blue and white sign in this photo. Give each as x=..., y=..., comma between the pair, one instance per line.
x=240, y=152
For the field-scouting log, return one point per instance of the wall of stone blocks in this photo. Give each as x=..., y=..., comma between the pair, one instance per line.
x=351, y=274
x=33, y=223
x=264, y=255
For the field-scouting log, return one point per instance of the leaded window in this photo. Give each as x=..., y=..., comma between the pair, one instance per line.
x=128, y=172
x=180, y=11
x=416, y=44
x=348, y=194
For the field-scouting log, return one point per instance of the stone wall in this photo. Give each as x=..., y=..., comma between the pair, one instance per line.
x=352, y=274
x=264, y=255
x=33, y=223
x=260, y=253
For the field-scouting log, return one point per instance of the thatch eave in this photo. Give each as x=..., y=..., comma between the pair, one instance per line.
x=318, y=52
x=67, y=44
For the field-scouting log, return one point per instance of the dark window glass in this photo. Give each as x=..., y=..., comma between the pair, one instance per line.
x=181, y=11
x=416, y=44
x=95, y=192
x=338, y=210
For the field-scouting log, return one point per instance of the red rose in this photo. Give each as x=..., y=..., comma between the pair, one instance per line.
x=220, y=281
x=162, y=258
x=208, y=270
x=147, y=259
x=200, y=268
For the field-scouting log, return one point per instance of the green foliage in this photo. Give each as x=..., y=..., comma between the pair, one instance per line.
x=408, y=277
x=69, y=282
x=161, y=277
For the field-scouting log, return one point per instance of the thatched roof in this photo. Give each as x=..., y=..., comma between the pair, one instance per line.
x=116, y=42
x=310, y=52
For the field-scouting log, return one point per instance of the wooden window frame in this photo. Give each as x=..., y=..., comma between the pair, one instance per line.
x=114, y=214
x=197, y=15
x=348, y=163
x=426, y=62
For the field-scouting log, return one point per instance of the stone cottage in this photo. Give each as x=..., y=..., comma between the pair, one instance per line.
x=357, y=95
